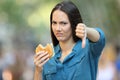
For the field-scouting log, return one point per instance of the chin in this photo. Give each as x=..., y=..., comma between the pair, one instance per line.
x=60, y=40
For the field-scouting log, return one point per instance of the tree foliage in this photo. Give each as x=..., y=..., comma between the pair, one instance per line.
x=102, y=13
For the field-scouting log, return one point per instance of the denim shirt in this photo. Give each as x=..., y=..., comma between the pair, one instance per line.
x=80, y=64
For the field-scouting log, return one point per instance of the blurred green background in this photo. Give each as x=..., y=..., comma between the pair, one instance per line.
x=25, y=23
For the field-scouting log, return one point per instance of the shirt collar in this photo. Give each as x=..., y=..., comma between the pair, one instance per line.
x=57, y=48
x=75, y=48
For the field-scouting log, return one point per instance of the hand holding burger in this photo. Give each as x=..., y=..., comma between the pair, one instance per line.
x=43, y=54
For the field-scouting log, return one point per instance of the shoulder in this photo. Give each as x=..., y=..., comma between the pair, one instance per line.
x=101, y=32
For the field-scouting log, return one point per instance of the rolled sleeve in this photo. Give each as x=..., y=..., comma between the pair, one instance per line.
x=97, y=47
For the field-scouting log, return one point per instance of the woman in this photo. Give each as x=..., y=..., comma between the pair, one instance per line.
x=77, y=47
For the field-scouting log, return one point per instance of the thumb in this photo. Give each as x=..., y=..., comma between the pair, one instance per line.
x=84, y=40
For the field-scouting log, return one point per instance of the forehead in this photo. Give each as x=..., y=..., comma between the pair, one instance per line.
x=59, y=15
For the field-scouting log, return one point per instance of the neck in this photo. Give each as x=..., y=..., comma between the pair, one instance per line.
x=67, y=46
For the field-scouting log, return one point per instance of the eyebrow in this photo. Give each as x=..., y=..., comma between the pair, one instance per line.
x=60, y=21
x=65, y=22
x=53, y=21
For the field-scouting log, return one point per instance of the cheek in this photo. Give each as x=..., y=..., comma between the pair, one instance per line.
x=68, y=30
x=70, y=33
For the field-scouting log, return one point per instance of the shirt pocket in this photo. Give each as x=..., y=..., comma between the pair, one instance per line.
x=77, y=60
x=49, y=73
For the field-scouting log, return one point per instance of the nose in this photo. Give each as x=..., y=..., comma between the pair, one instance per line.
x=58, y=27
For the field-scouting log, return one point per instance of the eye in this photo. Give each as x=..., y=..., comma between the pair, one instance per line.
x=63, y=23
x=53, y=22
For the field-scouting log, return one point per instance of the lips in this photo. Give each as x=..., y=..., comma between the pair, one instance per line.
x=59, y=34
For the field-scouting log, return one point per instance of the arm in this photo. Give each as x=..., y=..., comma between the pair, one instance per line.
x=39, y=60
x=96, y=36
x=37, y=74
x=82, y=31
x=92, y=34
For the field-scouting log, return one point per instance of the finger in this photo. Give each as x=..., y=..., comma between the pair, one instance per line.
x=44, y=58
x=83, y=37
x=80, y=35
x=40, y=65
x=36, y=56
x=80, y=31
x=39, y=56
x=84, y=40
x=80, y=27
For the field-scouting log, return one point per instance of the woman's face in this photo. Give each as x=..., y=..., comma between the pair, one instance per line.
x=61, y=26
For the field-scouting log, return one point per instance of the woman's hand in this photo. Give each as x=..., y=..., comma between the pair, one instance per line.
x=81, y=33
x=40, y=59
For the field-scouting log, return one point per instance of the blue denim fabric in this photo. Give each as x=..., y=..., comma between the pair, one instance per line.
x=80, y=64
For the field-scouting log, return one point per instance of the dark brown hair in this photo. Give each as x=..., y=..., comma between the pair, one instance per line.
x=73, y=15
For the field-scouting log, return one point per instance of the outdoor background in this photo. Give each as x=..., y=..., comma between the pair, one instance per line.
x=25, y=23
